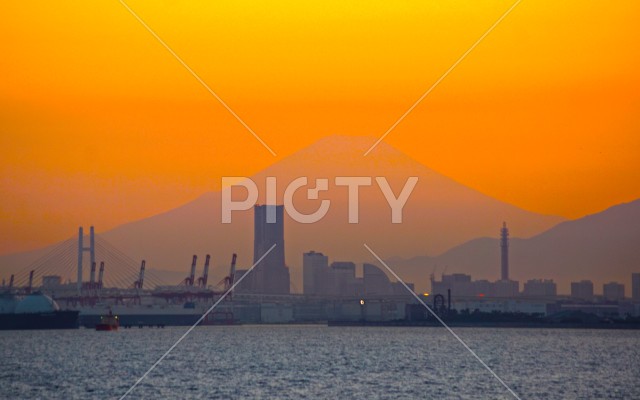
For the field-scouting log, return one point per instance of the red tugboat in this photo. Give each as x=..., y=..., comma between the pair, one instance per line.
x=108, y=323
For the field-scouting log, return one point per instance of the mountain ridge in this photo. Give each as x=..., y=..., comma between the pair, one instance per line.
x=603, y=245
x=440, y=213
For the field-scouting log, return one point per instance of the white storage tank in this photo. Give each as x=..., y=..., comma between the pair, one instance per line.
x=8, y=303
x=36, y=303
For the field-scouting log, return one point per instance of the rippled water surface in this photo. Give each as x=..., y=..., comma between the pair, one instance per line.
x=291, y=362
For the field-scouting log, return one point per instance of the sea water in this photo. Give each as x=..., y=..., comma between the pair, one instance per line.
x=318, y=362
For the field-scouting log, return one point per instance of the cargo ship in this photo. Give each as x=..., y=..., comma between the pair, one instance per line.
x=157, y=315
x=34, y=311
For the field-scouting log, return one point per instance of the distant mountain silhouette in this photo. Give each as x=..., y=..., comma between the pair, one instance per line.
x=601, y=247
x=439, y=214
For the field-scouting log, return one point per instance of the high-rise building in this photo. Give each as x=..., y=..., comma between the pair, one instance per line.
x=271, y=275
x=342, y=279
x=613, y=291
x=376, y=282
x=339, y=279
x=582, y=290
x=504, y=252
x=315, y=273
x=635, y=286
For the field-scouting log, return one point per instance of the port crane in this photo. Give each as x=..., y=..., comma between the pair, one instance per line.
x=101, y=275
x=229, y=280
x=30, y=281
x=202, y=281
x=140, y=282
x=189, y=280
x=92, y=276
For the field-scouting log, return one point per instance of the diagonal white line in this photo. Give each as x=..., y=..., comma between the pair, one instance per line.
x=196, y=324
x=192, y=72
x=442, y=322
x=437, y=82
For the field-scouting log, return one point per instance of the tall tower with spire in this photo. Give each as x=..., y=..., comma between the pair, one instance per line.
x=504, y=251
x=271, y=275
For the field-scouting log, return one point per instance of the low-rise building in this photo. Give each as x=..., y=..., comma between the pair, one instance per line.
x=540, y=288
x=582, y=290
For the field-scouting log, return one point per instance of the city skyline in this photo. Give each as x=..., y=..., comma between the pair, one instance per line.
x=321, y=279
x=416, y=271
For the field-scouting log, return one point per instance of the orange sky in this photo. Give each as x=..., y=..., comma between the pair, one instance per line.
x=100, y=124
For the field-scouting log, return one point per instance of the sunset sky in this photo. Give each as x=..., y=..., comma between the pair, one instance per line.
x=100, y=124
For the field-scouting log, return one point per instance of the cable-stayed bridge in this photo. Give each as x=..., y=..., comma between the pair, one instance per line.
x=98, y=265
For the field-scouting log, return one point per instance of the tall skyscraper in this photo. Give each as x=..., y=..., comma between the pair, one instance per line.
x=635, y=286
x=271, y=275
x=504, y=248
